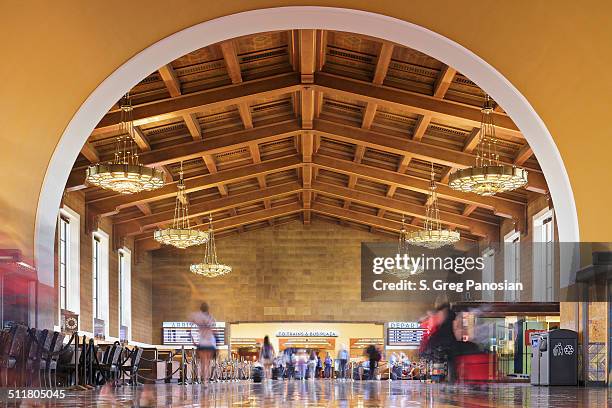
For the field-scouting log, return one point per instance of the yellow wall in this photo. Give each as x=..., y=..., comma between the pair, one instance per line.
x=346, y=331
x=54, y=54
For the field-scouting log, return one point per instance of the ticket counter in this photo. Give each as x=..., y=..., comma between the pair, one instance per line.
x=321, y=337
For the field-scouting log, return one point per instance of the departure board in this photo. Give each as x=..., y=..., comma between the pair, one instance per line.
x=187, y=334
x=404, y=334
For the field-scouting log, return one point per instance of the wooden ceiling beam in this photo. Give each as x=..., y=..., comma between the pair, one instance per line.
x=368, y=115
x=307, y=103
x=307, y=148
x=380, y=72
x=307, y=203
x=404, y=163
x=237, y=221
x=195, y=149
x=419, y=150
x=501, y=207
x=144, y=208
x=109, y=205
x=137, y=225
x=421, y=127
x=359, y=153
x=254, y=152
x=170, y=80
x=362, y=218
x=293, y=49
x=477, y=227
x=230, y=57
x=141, y=140
x=209, y=161
x=232, y=65
x=439, y=109
x=193, y=125
x=245, y=115
x=195, y=102
x=469, y=209
x=523, y=155
x=308, y=55
x=321, y=48
x=472, y=140
x=90, y=153
x=446, y=175
x=443, y=82
x=382, y=63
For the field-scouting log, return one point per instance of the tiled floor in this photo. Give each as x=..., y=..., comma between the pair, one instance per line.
x=326, y=393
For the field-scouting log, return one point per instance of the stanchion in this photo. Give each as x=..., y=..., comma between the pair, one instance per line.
x=183, y=362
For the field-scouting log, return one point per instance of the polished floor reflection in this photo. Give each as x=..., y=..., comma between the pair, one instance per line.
x=327, y=393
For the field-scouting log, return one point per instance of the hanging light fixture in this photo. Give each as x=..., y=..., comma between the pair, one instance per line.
x=181, y=235
x=433, y=236
x=489, y=176
x=402, y=251
x=210, y=266
x=124, y=174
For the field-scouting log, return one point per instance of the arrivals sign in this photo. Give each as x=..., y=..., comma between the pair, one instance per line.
x=187, y=333
x=306, y=333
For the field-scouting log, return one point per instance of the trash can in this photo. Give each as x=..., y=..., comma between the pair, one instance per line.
x=558, y=357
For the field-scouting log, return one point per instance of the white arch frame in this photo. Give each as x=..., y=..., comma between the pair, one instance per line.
x=285, y=18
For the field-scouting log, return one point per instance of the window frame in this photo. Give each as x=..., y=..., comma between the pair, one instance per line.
x=544, y=255
x=100, y=279
x=513, y=237
x=73, y=261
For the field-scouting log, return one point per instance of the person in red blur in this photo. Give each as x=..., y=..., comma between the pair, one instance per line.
x=440, y=344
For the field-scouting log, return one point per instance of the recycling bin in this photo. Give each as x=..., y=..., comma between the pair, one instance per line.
x=558, y=358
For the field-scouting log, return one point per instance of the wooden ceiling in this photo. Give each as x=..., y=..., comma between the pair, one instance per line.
x=300, y=124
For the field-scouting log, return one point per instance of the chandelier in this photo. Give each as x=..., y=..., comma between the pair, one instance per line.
x=210, y=266
x=402, y=251
x=433, y=236
x=181, y=235
x=124, y=174
x=489, y=176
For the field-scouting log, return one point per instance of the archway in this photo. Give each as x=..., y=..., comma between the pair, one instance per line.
x=210, y=32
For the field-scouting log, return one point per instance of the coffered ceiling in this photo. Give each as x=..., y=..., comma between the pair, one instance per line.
x=306, y=124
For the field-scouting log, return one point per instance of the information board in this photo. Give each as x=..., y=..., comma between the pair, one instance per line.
x=187, y=333
x=405, y=336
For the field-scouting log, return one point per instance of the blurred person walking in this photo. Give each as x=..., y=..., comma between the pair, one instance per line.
x=301, y=360
x=312, y=364
x=207, y=345
x=266, y=357
x=342, y=360
x=373, y=358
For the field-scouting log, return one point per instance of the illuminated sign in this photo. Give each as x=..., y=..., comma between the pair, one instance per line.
x=404, y=325
x=187, y=333
x=404, y=333
x=306, y=333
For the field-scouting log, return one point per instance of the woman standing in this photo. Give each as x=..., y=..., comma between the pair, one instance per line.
x=207, y=345
x=266, y=356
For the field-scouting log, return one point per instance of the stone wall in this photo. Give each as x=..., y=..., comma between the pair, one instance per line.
x=290, y=272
